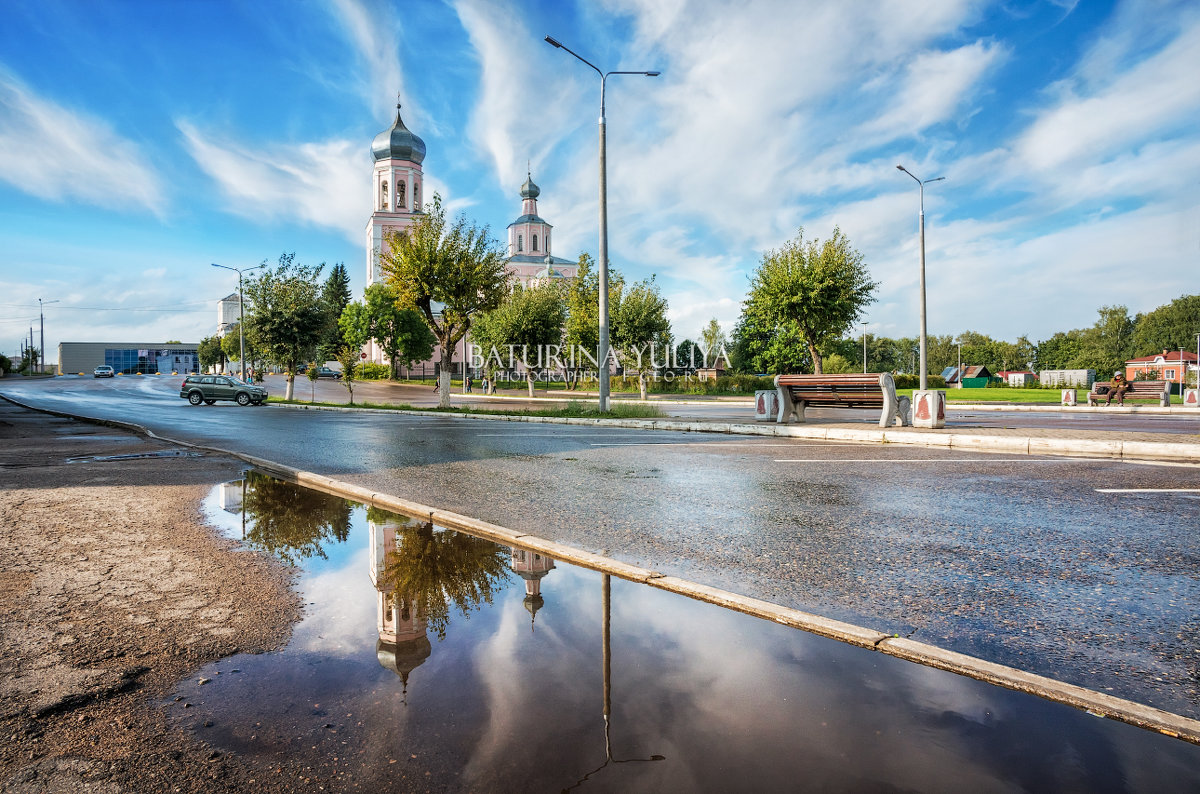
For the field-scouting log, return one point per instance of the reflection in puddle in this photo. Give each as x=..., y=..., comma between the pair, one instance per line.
x=431, y=659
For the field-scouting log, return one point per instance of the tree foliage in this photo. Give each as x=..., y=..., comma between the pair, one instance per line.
x=448, y=273
x=811, y=289
x=1170, y=327
x=209, y=353
x=291, y=522
x=640, y=331
x=285, y=316
x=400, y=333
x=434, y=570
x=335, y=296
x=713, y=341
x=529, y=320
x=582, y=329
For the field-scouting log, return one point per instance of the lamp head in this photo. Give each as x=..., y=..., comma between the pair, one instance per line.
x=902, y=168
x=652, y=74
x=552, y=42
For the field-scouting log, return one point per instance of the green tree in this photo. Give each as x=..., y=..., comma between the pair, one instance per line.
x=713, y=342
x=818, y=290
x=348, y=357
x=1107, y=345
x=400, y=333
x=458, y=266
x=761, y=345
x=582, y=330
x=641, y=332
x=209, y=353
x=1170, y=327
x=689, y=355
x=335, y=297
x=285, y=315
x=5, y=364
x=313, y=374
x=529, y=320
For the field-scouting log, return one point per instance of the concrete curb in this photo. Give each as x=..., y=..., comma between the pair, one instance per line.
x=1030, y=445
x=1097, y=703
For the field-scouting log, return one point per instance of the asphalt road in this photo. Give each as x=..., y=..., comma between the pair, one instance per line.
x=1022, y=560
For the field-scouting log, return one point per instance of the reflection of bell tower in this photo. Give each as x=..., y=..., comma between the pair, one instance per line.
x=531, y=567
x=402, y=645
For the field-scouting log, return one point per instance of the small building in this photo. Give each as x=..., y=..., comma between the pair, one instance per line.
x=976, y=377
x=1068, y=378
x=128, y=358
x=1167, y=365
x=1017, y=378
x=229, y=313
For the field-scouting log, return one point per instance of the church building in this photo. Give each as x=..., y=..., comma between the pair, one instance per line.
x=396, y=188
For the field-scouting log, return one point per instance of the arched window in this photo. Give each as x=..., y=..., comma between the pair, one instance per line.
x=400, y=195
x=383, y=205
x=535, y=242
x=416, y=197
x=520, y=243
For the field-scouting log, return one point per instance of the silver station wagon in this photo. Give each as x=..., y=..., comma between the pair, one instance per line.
x=208, y=389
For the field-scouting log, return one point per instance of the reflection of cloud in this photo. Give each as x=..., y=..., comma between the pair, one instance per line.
x=54, y=153
x=342, y=620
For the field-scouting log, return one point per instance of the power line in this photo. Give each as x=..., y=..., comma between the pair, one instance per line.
x=120, y=308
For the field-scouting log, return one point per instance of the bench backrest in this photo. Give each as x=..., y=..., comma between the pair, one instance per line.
x=1144, y=386
x=839, y=389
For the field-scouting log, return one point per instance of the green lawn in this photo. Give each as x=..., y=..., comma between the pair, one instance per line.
x=1001, y=395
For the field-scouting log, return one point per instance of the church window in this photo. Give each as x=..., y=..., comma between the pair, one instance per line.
x=400, y=195
x=535, y=242
x=520, y=243
x=416, y=197
x=383, y=205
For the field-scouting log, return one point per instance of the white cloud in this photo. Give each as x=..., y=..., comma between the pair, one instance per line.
x=520, y=115
x=1091, y=122
x=58, y=154
x=373, y=32
x=323, y=184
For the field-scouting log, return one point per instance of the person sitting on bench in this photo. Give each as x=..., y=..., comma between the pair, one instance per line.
x=1118, y=388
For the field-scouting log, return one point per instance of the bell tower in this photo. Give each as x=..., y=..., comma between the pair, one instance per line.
x=396, y=186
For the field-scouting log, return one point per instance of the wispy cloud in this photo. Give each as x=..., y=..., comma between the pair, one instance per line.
x=321, y=184
x=59, y=154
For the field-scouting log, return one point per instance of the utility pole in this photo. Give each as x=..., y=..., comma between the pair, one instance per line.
x=42, y=320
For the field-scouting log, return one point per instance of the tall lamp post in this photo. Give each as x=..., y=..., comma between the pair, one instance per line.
x=42, y=322
x=924, y=343
x=241, y=313
x=602, y=351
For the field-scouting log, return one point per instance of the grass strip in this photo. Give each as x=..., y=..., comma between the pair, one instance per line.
x=572, y=410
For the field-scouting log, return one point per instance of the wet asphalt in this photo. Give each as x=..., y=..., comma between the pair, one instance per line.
x=1017, y=559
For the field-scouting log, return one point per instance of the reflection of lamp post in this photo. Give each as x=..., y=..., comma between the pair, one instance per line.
x=241, y=314
x=42, y=320
x=602, y=351
x=606, y=646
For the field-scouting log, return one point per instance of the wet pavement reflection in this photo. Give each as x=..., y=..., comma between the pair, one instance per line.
x=429, y=659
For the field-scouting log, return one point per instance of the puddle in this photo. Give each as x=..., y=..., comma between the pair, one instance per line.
x=431, y=659
x=166, y=453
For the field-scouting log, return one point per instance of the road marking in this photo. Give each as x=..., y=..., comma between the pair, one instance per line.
x=1147, y=490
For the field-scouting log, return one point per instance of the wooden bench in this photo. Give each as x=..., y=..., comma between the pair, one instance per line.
x=796, y=392
x=1138, y=390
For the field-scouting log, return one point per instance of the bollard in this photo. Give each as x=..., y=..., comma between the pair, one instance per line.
x=1070, y=397
x=1191, y=398
x=766, y=405
x=928, y=408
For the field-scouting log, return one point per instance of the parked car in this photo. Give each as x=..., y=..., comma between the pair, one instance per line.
x=326, y=372
x=103, y=371
x=208, y=389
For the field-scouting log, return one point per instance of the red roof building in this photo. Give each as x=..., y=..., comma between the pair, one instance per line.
x=1167, y=365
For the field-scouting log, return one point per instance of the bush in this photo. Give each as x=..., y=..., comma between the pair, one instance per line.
x=5, y=364
x=369, y=370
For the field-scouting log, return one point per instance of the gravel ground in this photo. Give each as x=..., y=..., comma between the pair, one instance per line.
x=112, y=590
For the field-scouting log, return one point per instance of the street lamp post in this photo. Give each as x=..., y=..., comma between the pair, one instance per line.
x=42, y=321
x=924, y=343
x=241, y=313
x=602, y=351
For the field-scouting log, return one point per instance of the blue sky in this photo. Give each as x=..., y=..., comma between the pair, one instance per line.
x=141, y=141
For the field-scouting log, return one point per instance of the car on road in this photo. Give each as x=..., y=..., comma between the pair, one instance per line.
x=103, y=371
x=326, y=372
x=208, y=389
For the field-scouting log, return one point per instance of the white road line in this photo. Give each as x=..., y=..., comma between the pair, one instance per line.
x=1147, y=490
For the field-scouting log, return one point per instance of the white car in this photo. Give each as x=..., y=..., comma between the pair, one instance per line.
x=103, y=371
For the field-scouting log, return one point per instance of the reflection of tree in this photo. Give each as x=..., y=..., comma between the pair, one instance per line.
x=436, y=569
x=290, y=521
